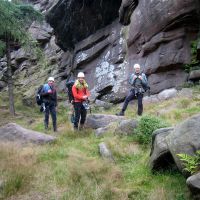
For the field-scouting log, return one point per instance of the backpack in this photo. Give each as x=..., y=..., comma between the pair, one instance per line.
x=69, y=85
x=38, y=98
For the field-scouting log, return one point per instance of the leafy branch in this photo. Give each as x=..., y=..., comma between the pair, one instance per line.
x=191, y=163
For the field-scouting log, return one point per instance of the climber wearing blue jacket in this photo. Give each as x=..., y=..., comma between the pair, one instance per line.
x=139, y=85
x=49, y=96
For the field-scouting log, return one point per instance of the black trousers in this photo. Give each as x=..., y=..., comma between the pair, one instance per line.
x=131, y=96
x=50, y=108
x=80, y=114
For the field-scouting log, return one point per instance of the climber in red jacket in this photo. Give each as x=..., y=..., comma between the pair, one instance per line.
x=81, y=93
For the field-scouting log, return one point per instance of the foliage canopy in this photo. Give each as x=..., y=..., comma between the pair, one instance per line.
x=14, y=19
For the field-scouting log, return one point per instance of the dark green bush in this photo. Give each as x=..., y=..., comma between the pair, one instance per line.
x=147, y=125
x=194, y=64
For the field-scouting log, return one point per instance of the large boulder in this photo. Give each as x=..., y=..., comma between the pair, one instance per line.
x=100, y=120
x=160, y=156
x=184, y=139
x=15, y=133
x=167, y=94
x=193, y=182
x=126, y=127
x=194, y=75
x=167, y=143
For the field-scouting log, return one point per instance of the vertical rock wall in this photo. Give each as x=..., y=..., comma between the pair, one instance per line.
x=157, y=34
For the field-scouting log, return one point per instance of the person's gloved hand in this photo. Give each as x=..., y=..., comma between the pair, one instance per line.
x=85, y=97
x=50, y=91
x=135, y=77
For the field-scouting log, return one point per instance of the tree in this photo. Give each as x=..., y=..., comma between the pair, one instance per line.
x=14, y=19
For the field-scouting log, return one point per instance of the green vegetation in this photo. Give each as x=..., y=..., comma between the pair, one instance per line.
x=147, y=125
x=194, y=64
x=71, y=168
x=192, y=163
x=14, y=18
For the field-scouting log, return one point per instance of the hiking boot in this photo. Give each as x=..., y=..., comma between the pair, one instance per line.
x=121, y=113
x=46, y=126
x=81, y=127
x=75, y=129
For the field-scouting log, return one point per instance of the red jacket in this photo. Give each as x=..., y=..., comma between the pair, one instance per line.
x=79, y=93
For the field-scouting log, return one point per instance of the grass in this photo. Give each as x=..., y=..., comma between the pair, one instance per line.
x=16, y=168
x=71, y=168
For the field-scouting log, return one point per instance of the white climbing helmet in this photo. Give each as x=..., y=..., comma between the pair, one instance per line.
x=136, y=66
x=51, y=79
x=81, y=75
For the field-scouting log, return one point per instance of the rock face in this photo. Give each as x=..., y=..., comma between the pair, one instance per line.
x=183, y=139
x=13, y=132
x=162, y=48
x=126, y=9
x=105, y=49
x=79, y=19
x=158, y=39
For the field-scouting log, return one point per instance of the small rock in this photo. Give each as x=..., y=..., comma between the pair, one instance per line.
x=151, y=99
x=100, y=131
x=126, y=127
x=105, y=152
x=186, y=93
x=167, y=94
x=105, y=105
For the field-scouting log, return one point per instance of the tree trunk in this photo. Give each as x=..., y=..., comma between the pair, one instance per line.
x=10, y=80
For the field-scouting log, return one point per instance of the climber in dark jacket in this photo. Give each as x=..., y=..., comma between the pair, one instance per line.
x=139, y=85
x=49, y=95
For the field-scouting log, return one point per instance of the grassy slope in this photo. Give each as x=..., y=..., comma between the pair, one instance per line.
x=72, y=168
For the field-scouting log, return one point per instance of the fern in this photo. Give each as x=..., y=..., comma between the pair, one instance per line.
x=191, y=163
